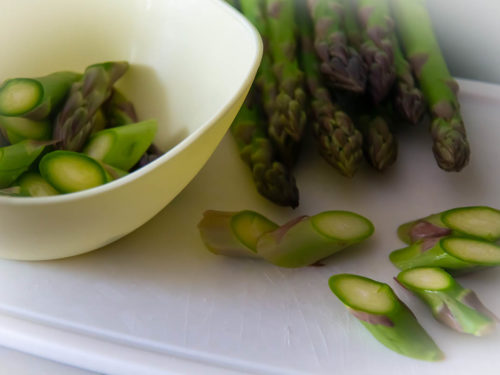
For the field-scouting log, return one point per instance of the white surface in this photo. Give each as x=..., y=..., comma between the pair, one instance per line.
x=192, y=64
x=157, y=299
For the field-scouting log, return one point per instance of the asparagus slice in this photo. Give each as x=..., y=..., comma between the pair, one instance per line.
x=33, y=185
x=35, y=98
x=462, y=254
x=233, y=233
x=387, y=318
x=307, y=239
x=118, y=110
x=75, y=122
x=450, y=303
x=339, y=142
x=301, y=242
x=122, y=146
x=477, y=221
x=451, y=148
x=69, y=171
x=17, y=158
x=290, y=104
x=273, y=179
x=25, y=128
x=340, y=63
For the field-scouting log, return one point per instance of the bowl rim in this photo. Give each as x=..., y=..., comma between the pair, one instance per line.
x=175, y=150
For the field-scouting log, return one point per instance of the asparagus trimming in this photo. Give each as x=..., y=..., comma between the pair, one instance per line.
x=450, y=146
x=450, y=303
x=387, y=318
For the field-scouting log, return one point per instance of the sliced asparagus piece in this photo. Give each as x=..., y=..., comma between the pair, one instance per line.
x=75, y=122
x=118, y=110
x=17, y=158
x=307, y=239
x=450, y=303
x=122, y=146
x=233, y=233
x=35, y=98
x=69, y=171
x=25, y=128
x=387, y=318
x=34, y=185
x=452, y=253
x=451, y=148
x=477, y=221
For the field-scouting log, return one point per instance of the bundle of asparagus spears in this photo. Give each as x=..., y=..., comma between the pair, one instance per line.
x=356, y=71
x=66, y=132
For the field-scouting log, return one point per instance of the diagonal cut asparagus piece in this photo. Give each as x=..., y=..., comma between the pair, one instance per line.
x=477, y=221
x=33, y=185
x=462, y=254
x=35, y=98
x=450, y=303
x=387, y=318
x=75, y=122
x=122, y=146
x=27, y=129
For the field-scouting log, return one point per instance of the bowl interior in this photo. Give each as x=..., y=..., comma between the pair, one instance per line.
x=189, y=57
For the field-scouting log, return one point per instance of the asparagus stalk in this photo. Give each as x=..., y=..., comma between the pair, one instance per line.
x=33, y=185
x=457, y=254
x=451, y=148
x=272, y=178
x=25, y=128
x=308, y=239
x=340, y=63
x=17, y=158
x=118, y=110
x=300, y=242
x=387, y=318
x=377, y=49
x=75, y=122
x=339, y=142
x=267, y=83
x=35, y=98
x=122, y=146
x=477, y=221
x=69, y=171
x=450, y=303
x=234, y=233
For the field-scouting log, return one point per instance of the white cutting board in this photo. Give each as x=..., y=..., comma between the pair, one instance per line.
x=156, y=302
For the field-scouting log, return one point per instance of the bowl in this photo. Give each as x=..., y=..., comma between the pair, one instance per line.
x=192, y=64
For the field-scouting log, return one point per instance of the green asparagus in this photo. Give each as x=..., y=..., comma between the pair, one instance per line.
x=75, y=122
x=387, y=318
x=454, y=253
x=450, y=303
x=339, y=142
x=477, y=221
x=118, y=110
x=340, y=63
x=25, y=128
x=33, y=185
x=35, y=98
x=450, y=146
x=272, y=178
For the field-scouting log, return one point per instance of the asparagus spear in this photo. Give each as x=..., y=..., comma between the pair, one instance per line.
x=340, y=63
x=35, y=98
x=300, y=242
x=458, y=254
x=377, y=49
x=118, y=110
x=75, y=122
x=122, y=146
x=17, y=158
x=387, y=318
x=477, y=221
x=450, y=303
x=69, y=171
x=339, y=142
x=33, y=185
x=451, y=148
x=272, y=178
x=25, y=128
x=267, y=84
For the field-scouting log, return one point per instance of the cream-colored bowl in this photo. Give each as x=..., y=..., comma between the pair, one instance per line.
x=193, y=62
